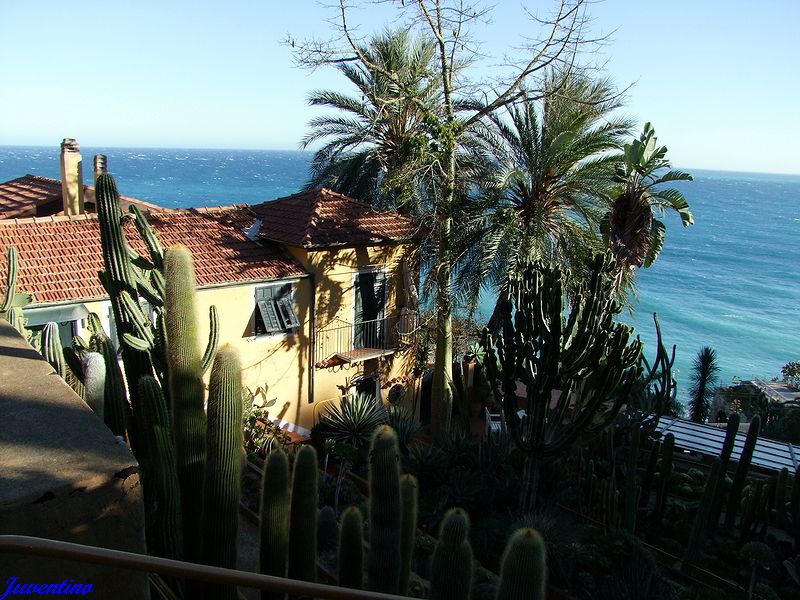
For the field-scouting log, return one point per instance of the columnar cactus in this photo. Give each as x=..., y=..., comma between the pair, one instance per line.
x=52, y=349
x=303, y=516
x=94, y=381
x=649, y=474
x=186, y=388
x=274, y=521
x=223, y=467
x=665, y=474
x=409, y=494
x=740, y=476
x=631, y=489
x=451, y=567
x=383, y=560
x=699, y=533
x=523, y=574
x=12, y=298
x=719, y=490
x=351, y=549
x=159, y=480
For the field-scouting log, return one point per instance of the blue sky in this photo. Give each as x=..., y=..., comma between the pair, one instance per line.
x=718, y=79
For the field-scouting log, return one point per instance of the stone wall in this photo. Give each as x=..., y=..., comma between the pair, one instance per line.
x=63, y=476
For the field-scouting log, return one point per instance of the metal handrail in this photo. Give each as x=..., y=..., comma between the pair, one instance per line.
x=23, y=544
x=386, y=333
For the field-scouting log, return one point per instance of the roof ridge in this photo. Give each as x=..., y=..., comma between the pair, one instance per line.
x=49, y=219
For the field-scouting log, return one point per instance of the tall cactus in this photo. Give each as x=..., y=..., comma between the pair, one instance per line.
x=631, y=489
x=303, y=516
x=523, y=574
x=12, y=298
x=120, y=283
x=186, y=388
x=94, y=381
x=274, y=519
x=731, y=431
x=223, y=467
x=665, y=473
x=52, y=350
x=162, y=496
x=451, y=567
x=409, y=496
x=697, y=538
x=740, y=476
x=383, y=560
x=584, y=358
x=351, y=549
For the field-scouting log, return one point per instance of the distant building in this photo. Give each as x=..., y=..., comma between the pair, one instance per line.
x=317, y=290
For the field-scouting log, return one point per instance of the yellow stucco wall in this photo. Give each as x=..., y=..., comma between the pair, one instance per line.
x=281, y=367
x=335, y=272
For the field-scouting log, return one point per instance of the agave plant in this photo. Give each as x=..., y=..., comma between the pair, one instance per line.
x=353, y=420
x=404, y=425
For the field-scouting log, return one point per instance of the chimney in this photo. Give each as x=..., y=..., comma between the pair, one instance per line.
x=100, y=166
x=71, y=177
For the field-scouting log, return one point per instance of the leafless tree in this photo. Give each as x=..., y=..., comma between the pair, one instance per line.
x=465, y=102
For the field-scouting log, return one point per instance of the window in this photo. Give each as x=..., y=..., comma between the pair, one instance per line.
x=275, y=309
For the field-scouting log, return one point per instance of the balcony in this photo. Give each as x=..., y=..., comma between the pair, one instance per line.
x=342, y=343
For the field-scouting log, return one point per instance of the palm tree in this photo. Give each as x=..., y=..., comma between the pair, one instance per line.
x=634, y=235
x=704, y=378
x=375, y=145
x=555, y=162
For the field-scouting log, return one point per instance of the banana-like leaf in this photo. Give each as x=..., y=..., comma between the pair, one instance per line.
x=657, y=236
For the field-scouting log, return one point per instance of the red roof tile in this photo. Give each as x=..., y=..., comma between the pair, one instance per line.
x=37, y=196
x=322, y=218
x=60, y=256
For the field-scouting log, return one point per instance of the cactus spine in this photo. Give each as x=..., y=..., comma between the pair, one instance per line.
x=185, y=388
x=94, y=381
x=223, y=467
x=719, y=491
x=739, y=478
x=409, y=495
x=523, y=574
x=303, y=516
x=383, y=560
x=665, y=474
x=274, y=521
x=451, y=567
x=351, y=549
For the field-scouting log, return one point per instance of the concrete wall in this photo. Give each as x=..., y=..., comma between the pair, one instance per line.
x=63, y=476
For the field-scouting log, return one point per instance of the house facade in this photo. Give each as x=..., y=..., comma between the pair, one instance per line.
x=316, y=290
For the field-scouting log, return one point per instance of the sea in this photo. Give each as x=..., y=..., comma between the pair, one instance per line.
x=731, y=281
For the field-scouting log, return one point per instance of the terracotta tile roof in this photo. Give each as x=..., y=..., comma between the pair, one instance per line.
x=37, y=196
x=60, y=256
x=29, y=196
x=322, y=218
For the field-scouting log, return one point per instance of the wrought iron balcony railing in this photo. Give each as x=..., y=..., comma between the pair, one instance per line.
x=355, y=342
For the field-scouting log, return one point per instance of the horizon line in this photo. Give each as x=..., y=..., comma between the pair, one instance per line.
x=303, y=151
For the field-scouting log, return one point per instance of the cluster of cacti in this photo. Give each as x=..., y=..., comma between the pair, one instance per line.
x=288, y=526
x=191, y=465
x=576, y=354
x=715, y=509
x=700, y=526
